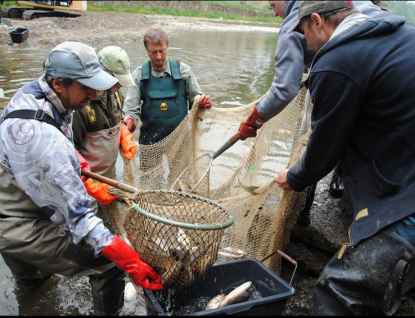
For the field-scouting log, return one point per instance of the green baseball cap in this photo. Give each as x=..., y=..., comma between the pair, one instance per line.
x=307, y=8
x=78, y=61
x=116, y=60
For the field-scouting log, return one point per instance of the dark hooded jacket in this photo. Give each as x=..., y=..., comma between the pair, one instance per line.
x=362, y=84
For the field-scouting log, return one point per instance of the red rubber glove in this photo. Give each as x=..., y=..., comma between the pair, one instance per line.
x=99, y=191
x=249, y=127
x=130, y=262
x=84, y=164
x=129, y=122
x=204, y=102
x=127, y=142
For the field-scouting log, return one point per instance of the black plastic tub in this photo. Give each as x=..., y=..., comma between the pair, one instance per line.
x=223, y=278
x=19, y=35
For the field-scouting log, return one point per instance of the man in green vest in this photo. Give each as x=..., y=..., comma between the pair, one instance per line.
x=160, y=110
x=163, y=94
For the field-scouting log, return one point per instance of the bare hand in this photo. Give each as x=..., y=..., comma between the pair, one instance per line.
x=281, y=180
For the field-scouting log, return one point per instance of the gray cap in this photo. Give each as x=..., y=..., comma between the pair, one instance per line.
x=307, y=8
x=78, y=61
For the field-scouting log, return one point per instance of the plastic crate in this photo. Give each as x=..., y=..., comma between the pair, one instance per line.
x=19, y=35
x=222, y=278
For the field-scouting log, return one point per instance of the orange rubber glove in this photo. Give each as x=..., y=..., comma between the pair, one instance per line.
x=204, y=102
x=127, y=142
x=249, y=127
x=130, y=262
x=99, y=191
x=129, y=122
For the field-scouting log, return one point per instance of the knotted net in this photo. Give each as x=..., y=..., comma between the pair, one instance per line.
x=240, y=179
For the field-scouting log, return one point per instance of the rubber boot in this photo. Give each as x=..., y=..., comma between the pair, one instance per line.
x=336, y=184
x=108, y=292
x=367, y=280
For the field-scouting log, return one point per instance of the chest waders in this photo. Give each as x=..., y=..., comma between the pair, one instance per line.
x=35, y=248
x=368, y=279
x=164, y=103
x=100, y=146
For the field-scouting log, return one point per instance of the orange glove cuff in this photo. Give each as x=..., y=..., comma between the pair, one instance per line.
x=127, y=142
x=99, y=191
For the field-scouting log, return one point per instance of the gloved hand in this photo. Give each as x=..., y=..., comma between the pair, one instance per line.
x=84, y=164
x=127, y=142
x=129, y=122
x=99, y=191
x=249, y=127
x=95, y=189
x=130, y=262
x=204, y=102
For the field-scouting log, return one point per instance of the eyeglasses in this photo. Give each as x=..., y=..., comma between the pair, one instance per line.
x=154, y=52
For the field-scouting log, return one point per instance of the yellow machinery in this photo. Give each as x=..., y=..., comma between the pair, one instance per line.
x=39, y=9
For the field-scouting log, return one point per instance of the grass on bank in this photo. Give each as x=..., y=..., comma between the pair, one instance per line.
x=125, y=7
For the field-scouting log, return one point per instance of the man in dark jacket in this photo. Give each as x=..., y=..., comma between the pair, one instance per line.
x=292, y=56
x=361, y=83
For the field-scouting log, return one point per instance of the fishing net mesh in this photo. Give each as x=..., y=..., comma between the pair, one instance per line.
x=180, y=254
x=240, y=179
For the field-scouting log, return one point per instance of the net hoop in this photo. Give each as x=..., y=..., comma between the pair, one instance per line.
x=189, y=168
x=189, y=226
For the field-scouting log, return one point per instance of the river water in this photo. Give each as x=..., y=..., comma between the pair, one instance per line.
x=232, y=68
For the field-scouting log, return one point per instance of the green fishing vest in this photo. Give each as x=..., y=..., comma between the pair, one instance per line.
x=164, y=103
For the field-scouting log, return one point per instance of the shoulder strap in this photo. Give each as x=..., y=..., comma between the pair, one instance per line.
x=175, y=69
x=146, y=71
x=34, y=114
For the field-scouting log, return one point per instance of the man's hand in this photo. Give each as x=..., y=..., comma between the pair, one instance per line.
x=99, y=191
x=129, y=122
x=130, y=262
x=281, y=180
x=204, y=102
x=249, y=127
x=127, y=142
x=95, y=189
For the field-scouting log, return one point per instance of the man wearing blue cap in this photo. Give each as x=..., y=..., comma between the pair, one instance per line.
x=47, y=225
x=362, y=85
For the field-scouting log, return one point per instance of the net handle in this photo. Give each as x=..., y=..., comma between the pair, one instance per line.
x=189, y=226
x=227, y=145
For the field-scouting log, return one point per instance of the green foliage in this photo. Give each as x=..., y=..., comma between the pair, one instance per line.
x=405, y=8
x=210, y=15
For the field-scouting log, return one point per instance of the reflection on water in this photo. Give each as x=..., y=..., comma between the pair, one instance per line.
x=232, y=68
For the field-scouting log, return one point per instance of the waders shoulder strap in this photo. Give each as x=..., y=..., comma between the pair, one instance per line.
x=34, y=114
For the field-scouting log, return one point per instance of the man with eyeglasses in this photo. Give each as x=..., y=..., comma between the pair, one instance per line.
x=160, y=112
x=163, y=94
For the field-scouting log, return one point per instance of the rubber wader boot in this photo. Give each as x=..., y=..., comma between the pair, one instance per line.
x=336, y=184
x=367, y=280
x=303, y=219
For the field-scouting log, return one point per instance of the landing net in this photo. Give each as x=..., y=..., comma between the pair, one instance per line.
x=240, y=179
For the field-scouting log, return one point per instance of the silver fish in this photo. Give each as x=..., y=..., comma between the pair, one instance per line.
x=221, y=300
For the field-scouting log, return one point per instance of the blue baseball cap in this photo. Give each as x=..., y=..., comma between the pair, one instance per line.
x=78, y=61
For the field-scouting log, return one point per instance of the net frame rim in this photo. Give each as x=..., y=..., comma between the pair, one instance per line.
x=189, y=226
x=190, y=165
